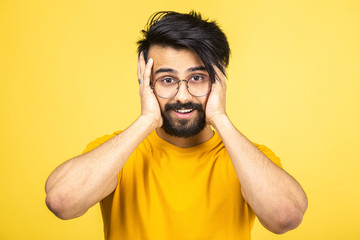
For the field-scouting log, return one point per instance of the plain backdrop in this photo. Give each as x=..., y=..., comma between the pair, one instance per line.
x=68, y=76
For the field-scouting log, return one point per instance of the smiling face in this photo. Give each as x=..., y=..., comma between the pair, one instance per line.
x=183, y=114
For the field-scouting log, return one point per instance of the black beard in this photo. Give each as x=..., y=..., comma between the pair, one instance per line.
x=183, y=128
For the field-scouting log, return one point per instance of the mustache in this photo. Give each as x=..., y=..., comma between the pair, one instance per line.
x=179, y=105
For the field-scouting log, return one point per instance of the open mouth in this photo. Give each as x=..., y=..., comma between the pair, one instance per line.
x=183, y=111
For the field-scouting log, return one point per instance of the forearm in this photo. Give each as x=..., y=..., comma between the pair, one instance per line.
x=81, y=182
x=276, y=198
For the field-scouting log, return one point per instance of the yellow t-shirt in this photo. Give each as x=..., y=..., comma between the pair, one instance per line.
x=168, y=192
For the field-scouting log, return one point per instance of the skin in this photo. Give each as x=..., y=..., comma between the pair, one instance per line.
x=180, y=61
x=276, y=198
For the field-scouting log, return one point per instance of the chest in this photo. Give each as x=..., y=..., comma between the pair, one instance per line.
x=180, y=183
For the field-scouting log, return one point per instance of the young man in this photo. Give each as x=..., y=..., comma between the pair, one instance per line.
x=169, y=175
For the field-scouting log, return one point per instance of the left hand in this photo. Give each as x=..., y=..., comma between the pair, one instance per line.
x=215, y=106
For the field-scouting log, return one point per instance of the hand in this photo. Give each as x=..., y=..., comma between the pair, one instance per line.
x=149, y=104
x=215, y=107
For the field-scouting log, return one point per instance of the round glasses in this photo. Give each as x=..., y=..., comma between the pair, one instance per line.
x=198, y=85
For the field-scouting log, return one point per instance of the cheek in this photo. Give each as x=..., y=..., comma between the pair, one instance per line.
x=161, y=102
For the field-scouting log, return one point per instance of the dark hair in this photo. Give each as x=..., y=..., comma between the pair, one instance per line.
x=190, y=31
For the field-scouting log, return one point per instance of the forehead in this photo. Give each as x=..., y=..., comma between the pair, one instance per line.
x=177, y=59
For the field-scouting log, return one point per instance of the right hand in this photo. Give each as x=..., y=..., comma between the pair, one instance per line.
x=149, y=104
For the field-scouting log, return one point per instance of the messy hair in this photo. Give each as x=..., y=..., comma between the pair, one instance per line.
x=191, y=31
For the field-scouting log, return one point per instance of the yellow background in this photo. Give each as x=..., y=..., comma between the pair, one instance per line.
x=68, y=75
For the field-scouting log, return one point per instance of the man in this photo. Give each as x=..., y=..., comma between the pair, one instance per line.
x=169, y=175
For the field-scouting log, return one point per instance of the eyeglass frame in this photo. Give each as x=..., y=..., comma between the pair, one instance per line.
x=177, y=89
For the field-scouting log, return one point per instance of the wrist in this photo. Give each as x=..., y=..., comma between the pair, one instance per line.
x=149, y=120
x=219, y=120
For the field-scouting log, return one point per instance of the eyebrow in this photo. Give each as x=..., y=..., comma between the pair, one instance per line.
x=170, y=70
x=167, y=70
x=198, y=68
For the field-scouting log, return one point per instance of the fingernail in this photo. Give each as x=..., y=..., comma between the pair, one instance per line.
x=150, y=60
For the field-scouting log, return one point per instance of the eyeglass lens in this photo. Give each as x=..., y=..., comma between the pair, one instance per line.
x=198, y=86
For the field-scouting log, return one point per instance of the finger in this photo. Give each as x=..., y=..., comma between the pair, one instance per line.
x=138, y=67
x=147, y=72
x=141, y=66
x=220, y=75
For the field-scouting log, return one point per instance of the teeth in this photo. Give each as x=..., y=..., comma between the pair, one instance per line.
x=184, y=110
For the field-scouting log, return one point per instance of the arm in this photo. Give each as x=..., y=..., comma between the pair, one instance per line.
x=276, y=198
x=81, y=182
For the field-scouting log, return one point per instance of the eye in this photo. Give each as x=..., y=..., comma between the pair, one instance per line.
x=166, y=80
x=198, y=77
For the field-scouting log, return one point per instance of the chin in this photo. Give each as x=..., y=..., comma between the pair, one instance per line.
x=184, y=128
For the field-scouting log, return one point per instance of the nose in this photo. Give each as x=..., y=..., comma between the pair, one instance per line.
x=183, y=94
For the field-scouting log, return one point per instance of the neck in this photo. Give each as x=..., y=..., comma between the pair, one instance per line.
x=203, y=136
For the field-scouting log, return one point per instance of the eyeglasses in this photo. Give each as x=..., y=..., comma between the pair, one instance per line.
x=198, y=85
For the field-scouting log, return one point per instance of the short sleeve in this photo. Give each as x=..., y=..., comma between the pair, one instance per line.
x=270, y=154
x=98, y=141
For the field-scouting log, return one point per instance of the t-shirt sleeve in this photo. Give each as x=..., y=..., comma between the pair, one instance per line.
x=98, y=141
x=270, y=154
